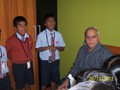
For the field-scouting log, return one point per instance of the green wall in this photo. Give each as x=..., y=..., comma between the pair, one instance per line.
x=74, y=16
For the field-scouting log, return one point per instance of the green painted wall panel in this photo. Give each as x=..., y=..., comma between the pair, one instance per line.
x=74, y=16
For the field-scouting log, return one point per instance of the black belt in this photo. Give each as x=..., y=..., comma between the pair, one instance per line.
x=49, y=61
x=3, y=75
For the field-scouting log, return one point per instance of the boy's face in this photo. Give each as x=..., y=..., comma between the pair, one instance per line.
x=50, y=23
x=21, y=28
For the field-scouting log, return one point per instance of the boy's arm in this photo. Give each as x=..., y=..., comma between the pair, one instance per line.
x=5, y=54
x=40, y=49
x=60, y=48
x=61, y=45
x=8, y=48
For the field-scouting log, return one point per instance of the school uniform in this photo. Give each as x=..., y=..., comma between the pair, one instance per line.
x=5, y=83
x=20, y=52
x=49, y=70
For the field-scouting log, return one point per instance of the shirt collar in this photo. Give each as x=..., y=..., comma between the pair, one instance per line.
x=20, y=37
x=48, y=31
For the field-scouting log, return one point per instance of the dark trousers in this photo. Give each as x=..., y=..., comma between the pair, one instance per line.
x=5, y=83
x=50, y=72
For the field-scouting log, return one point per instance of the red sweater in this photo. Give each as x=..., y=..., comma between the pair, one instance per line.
x=18, y=51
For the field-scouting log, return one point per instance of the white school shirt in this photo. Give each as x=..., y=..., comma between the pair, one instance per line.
x=43, y=41
x=20, y=37
x=3, y=60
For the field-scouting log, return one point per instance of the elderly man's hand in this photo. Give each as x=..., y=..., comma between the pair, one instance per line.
x=64, y=85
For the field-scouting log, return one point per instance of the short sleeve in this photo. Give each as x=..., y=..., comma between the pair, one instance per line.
x=61, y=41
x=38, y=42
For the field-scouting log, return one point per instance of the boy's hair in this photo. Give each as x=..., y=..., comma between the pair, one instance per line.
x=19, y=19
x=112, y=66
x=95, y=75
x=102, y=86
x=48, y=16
x=92, y=85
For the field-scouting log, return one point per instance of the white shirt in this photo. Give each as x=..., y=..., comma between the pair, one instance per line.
x=3, y=60
x=20, y=37
x=42, y=42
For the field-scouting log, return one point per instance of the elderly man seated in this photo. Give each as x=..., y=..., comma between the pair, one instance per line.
x=91, y=55
x=107, y=78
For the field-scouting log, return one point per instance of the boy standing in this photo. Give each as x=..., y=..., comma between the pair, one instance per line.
x=5, y=83
x=48, y=44
x=19, y=48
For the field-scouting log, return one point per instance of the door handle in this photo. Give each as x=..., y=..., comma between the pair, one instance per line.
x=39, y=28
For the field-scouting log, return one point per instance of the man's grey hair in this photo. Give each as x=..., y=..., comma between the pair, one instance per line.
x=94, y=28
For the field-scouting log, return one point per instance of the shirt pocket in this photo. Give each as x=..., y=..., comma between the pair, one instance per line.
x=56, y=43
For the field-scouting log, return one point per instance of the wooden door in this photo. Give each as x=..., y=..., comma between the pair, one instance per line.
x=10, y=9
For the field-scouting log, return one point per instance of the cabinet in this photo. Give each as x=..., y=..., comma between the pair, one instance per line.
x=10, y=9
